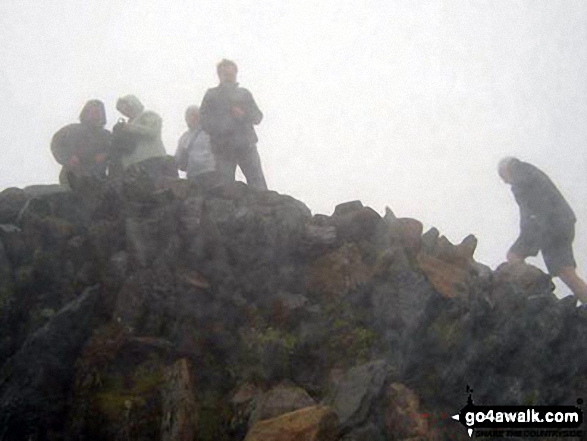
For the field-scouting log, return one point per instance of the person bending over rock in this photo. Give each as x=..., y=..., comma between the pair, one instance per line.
x=83, y=148
x=138, y=141
x=547, y=223
x=228, y=113
x=194, y=152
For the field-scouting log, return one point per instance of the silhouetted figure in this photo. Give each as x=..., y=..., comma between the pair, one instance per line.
x=83, y=148
x=138, y=141
x=547, y=223
x=194, y=152
x=228, y=113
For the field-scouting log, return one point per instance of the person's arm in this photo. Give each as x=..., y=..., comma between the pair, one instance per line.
x=209, y=118
x=528, y=241
x=252, y=114
x=148, y=125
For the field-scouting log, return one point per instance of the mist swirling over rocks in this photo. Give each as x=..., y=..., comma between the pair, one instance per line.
x=133, y=310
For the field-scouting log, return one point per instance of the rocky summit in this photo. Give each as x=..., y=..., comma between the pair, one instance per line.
x=135, y=310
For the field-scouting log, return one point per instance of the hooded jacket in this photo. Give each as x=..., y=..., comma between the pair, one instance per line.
x=145, y=129
x=217, y=120
x=544, y=212
x=86, y=140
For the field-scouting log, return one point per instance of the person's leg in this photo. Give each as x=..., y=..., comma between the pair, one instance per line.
x=225, y=165
x=560, y=262
x=250, y=164
x=577, y=285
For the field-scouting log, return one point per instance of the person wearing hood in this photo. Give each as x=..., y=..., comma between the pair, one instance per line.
x=228, y=114
x=194, y=152
x=547, y=223
x=83, y=148
x=138, y=141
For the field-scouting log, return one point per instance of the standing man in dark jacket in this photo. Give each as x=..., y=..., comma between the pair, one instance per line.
x=228, y=113
x=547, y=223
x=83, y=148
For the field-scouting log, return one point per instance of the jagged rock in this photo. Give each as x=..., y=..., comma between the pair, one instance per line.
x=347, y=208
x=34, y=191
x=36, y=380
x=283, y=398
x=355, y=394
x=335, y=273
x=429, y=240
x=11, y=202
x=250, y=287
x=319, y=236
x=242, y=402
x=403, y=418
x=515, y=282
x=354, y=224
x=128, y=387
x=449, y=268
x=389, y=216
x=410, y=234
x=6, y=283
x=369, y=432
x=179, y=406
x=149, y=232
x=448, y=279
x=317, y=423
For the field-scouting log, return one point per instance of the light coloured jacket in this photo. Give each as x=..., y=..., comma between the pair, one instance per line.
x=194, y=153
x=146, y=128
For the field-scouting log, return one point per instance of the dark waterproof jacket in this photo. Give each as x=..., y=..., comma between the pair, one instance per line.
x=216, y=118
x=544, y=213
x=84, y=141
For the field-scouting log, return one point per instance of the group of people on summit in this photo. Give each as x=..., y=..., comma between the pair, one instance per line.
x=221, y=136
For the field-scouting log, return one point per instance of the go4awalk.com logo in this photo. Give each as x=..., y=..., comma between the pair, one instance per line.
x=520, y=421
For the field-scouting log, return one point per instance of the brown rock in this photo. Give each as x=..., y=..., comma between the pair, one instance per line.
x=281, y=399
x=179, y=406
x=403, y=418
x=317, y=423
x=449, y=279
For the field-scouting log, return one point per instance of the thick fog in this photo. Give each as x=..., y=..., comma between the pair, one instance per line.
x=408, y=103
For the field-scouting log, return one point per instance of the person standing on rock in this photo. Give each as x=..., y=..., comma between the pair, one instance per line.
x=83, y=148
x=547, y=223
x=194, y=152
x=228, y=113
x=138, y=141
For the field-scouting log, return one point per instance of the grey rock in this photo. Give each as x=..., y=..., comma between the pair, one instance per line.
x=283, y=398
x=36, y=380
x=356, y=393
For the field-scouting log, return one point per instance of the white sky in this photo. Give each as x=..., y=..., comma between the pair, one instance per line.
x=403, y=103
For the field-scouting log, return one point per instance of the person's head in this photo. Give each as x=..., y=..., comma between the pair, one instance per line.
x=93, y=113
x=130, y=106
x=504, y=168
x=227, y=71
x=192, y=117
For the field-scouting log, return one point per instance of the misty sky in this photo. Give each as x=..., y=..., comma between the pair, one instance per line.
x=407, y=103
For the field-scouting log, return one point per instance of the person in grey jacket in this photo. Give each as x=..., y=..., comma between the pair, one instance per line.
x=194, y=151
x=547, y=222
x=228, y=113
x=83, y=148
x=138, y=140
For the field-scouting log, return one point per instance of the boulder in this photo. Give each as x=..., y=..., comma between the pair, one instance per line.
x=179, y=405
x=35, y=382
x=317, y=423
x=403, y=418
x=11, y=202
x=283, y=398
x=355, y=394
